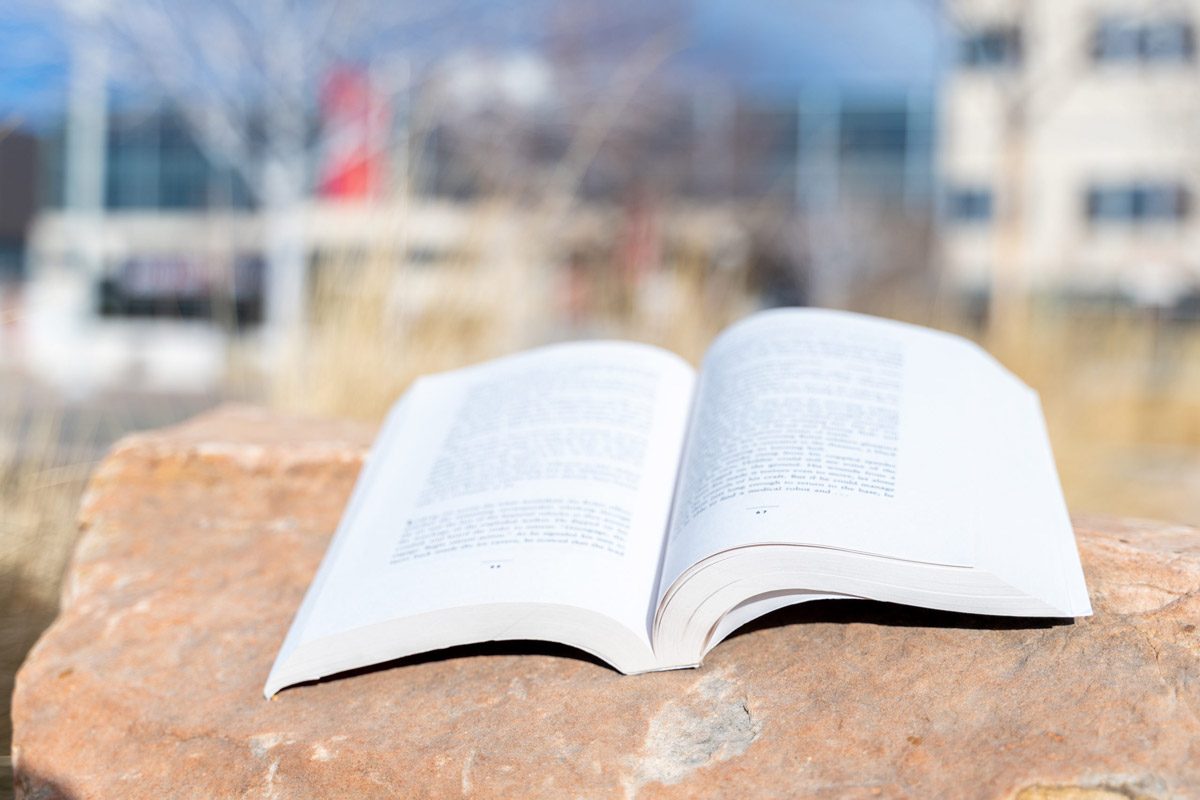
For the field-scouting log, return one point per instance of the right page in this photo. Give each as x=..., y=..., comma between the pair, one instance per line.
x=839, y=431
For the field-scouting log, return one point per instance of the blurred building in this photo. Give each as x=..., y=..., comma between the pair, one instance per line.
x=1070, y=149
x=150, y=255
x=180, y=237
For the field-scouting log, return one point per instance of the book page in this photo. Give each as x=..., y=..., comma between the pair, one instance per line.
x=544, y=477
x=837, y=430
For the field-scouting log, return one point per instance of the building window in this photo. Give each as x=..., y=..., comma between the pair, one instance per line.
x=874, y=131
x=1121, y=39
x=972, y=205
x=1141, y=202
x=996, y=47
x=1168, y=41
x=184, y=287
x=1116, y=40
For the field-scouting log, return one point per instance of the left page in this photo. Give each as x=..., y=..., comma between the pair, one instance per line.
x=541, y=478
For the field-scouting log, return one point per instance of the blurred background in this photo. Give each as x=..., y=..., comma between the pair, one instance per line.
x=306, y=203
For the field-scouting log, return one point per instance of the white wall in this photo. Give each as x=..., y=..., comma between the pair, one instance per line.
x=1085, y=123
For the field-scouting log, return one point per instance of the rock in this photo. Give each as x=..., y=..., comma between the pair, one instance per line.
x=199, y=542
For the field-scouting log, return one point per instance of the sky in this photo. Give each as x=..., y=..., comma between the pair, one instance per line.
x=33, y=63
x=785, y=44
x=767, y=46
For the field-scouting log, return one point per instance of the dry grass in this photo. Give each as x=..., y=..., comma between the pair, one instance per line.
x=40, y=488
x=377, y=325
x=1121, y=395
x=1121, y=390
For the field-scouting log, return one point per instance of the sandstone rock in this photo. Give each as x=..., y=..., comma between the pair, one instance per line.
x=199, y=542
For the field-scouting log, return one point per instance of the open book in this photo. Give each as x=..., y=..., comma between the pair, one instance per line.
x=607, y=496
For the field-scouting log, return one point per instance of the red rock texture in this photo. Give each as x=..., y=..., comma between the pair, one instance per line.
x=199, y=542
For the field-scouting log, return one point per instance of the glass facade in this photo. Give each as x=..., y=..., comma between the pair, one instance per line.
x=152, y=161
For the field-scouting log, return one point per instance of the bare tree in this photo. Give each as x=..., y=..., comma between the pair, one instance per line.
x=246, y=78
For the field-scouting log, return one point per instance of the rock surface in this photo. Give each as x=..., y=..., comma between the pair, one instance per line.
x=199, y=542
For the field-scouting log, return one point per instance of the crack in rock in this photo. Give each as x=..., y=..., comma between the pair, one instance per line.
x=710, y=723
x=1144, y=788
